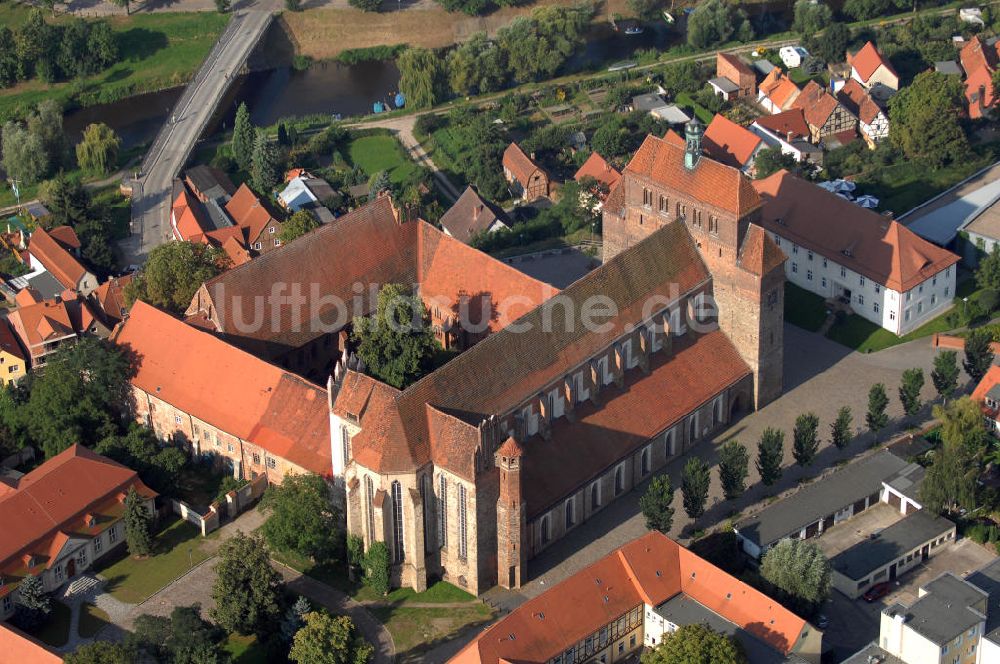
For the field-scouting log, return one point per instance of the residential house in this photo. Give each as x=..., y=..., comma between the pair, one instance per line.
x=57, y=252
x=13, y=360
x=827, y=118
x=251, y=417
x=209, y=184
x=61, y=518
x=888, y=274
x=655, y=104
x=777, y=92
x=812, y=510
x=528, y=180
x=982, y=227
x=741, y=79
x=979, y=60
x=191, y=222
x=604, y=174
x=471, y=215
x=304, y=191
x=873, y=71
x=873, y=120
x=20, y=647
x=631, y=599
x=44, y=326
x=260, y=227
x=789, y=131
x=987, y=395
x=108, y=300
x=953, y=620
x=729, y=143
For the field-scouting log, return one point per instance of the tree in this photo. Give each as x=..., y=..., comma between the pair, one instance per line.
x=244, y=135
x=24, y=156
x=376, y=565
x=265, y=169
x=800, y=570
x=100, y=652
x=909, y=391
x=247, y=590
x=771, y=160
x=158, y=465
x=876, y=418
x=656, y=504
x=46, y=122
x=67, y=200
x=137, y=525
x=945, y=374
x=831, y=44
x=297, y=225
x=223, y=6
x=379, y=183
x=924, y=119
x=953, y=477
x=293, y=5
x=183, y=638
x=329, y=640
x=840, y=428
x=295, y=618
x=695, y=481
x=714, y=22
x=98, y=151
x=646, y=10
x=476, y=66
x=33, y=44
x=770, y=454
x=8, y=58
x=33, y=603
x=611, y=139
x=422, y=77
x=367, y=5
x=301, y=518
x=811, y=17
x=805, y=441
x=696, y=643
x=173, y=273
x=862, y=10
x=734, y=465
x=397, y=344
x=978, y=354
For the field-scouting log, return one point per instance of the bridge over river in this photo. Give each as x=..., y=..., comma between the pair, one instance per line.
x=173, y=145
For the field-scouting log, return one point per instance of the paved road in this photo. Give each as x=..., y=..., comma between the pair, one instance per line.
x=173, y=145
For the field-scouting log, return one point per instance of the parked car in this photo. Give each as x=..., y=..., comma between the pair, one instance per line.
x=822, y=621
x=877, y=592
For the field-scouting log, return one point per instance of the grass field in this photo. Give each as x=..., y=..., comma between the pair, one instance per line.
x=903, y=186
x=55, y=631
x=176, y=549
x=804, y=309
x=439, y=593
x=158, y=51
x=245, y=650
x=416, y=630
x=685, y=101
x=382, y=153
x=92, y=621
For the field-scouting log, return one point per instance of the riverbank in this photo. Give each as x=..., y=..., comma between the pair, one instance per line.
x=158, y=51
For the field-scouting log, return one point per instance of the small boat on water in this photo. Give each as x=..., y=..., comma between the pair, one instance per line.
x=379, y=107
x=622, y=66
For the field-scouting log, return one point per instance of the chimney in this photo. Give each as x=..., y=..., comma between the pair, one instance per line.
x=476, y=211
x=693, y=131
x=788, y=135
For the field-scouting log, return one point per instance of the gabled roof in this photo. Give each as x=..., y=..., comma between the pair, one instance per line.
x=249, y=212
x=8, y=342
x=187, y=214
x=519, y=164
x=816, y=103
x=55, y=496
x=856, y=99
x=234, y=391
x=599, y=169
x=736, y=62
x=867, y=61
x=209, y=182
x=66, y=236
x=471, y=214
x=110, y=298
x=989, y=381
x=864, y=241
x=730, y=143
x=54, y=257
x=24, y=649
x=792, y=121
x=780, y=89
x=725, y=187
x=45, y=321
x=650, y=570
x=976, y=55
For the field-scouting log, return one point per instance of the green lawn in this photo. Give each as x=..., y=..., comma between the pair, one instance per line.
x=804, y=309
x=92, y=621
x=685, y=101
x=176, y=549
x=55, y=631
x=905, y=185
x=441, y=592
x=867, y=337
x=198, y=485
x=416, y=630
x=382, y=153
x=333, y=575
x=245, y=650
x=158, y=50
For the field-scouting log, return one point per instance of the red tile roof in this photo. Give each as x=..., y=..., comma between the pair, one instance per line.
x=730, y=143
x=759, y=254
x=864, y=241
x=249, y=212
x=856, y=99
x=53, y=256
x=37, y=324
x=471, y=214
x=599, y=169
x=649, y=570
x=24, y=649
x=787, y=122
x=186, y=213
x=977, y=55
x=816, y=103
x=725, y=187
x=868, y=60
x=519, y=164
x=66, y=236
x=979, y=91
x=780, y=89
x=110, y=298
x=55, y=497
x=8, y=341
x=989, y=381
x=734, y=61
x=228, y=388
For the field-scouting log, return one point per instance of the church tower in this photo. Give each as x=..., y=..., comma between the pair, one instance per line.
x=511, y=522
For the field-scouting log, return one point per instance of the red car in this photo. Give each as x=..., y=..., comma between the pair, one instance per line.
x=878, y=591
